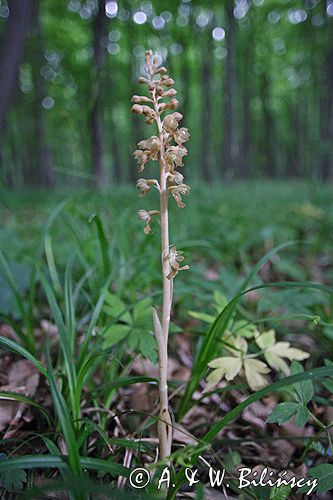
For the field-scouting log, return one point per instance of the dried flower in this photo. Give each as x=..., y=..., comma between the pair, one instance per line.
x=141, y=157
x=170, y=122
x=179, y=191
x=174, y=156
x=144, y=185
x=173, y=258
x=181, y=135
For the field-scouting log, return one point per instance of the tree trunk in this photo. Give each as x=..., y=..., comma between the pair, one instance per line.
x=269, y=167
x=206, y=149
x=96, y=108
x=12, y=52
x=230, y=145
x=326, y=106
x=44, y=167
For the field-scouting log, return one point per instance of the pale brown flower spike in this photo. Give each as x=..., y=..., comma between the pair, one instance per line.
x=167, y=147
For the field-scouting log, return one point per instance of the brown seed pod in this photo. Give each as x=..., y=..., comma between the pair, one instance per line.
x=137, y=109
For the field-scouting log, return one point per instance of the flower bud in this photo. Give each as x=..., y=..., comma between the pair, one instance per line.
x=151, y=86
x=170, y=93
x=140, y=98
x=160, y=70
x=173, y=104
x=168, y=83
x=149, y=120
x=147, y=111
x=163, y=107
x=137, y=109
x=160, y=90
x=142, y=79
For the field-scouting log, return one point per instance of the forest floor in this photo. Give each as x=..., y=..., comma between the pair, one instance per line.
x=82, y=252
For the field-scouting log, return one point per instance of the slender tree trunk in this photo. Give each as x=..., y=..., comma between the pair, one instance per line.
x=230, y=145
x=44, y=170
x=12, y=52
x=269, y=168
x=96, y=108
x=326, y=106
x=206, y=150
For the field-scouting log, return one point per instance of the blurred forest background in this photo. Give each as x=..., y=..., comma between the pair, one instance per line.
x=254, y=78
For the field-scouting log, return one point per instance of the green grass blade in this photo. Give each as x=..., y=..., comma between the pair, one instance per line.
x=103, y=242
x=63, y=415
x=69, y=305
x=95, y=316
x=54, y=462
x=64, y=342
x=12, y=346
x=51, y=264
x=13, y=396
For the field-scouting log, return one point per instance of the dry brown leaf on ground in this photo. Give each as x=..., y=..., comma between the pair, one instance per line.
x=22, y=378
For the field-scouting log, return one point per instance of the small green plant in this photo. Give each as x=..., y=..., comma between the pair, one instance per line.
x=168, y=149
x=239, y=360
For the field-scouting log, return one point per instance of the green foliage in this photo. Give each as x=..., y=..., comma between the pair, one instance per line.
x=303, y=393
x=324, y=474
x=135, y=326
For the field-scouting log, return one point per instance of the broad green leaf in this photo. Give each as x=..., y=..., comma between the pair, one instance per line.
x=142, y=312
x=304, y=390
x=302, y=416
x=147, y=345
x=280, y=493
x=206, y=318
x=114, y=334
x=324, y=474
x=282, y=413
x=116, y=308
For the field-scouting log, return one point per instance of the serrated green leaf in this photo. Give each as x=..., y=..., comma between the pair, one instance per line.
x=133, y=339
x=304, y=390
x=142, y=312
x=280, y=493
x=324, y=474
x=116, y=308
x=147, y=346
x=114, y=334
x=302, y=416
x=282, y=413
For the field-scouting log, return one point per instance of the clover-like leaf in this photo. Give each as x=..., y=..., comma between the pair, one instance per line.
x=265, y=339
x=225, y=367
x=254, y=371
